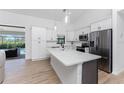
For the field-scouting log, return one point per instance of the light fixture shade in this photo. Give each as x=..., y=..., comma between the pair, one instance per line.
x=55, y=27
x=67, y=16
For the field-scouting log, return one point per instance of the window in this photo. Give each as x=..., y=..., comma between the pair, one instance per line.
x=0, y=40
x=11, y=41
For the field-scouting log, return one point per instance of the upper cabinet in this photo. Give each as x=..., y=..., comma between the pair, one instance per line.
x=70, y=36
x=74, y=35
x=102, y=25
x=51, y=35
x=48, y=35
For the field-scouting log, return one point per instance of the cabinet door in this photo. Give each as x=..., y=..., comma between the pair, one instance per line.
x=80, y=32
x=95, y=27
x=35, y=43
x=70, y=36
x=76, y=36
x=107, y=24
x=67, y=36
x=49, y=35
x=39, y=43
x=102, y=25
x=43, y=51
x=54, y=35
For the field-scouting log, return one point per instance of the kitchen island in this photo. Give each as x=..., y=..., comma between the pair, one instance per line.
x=73, y=67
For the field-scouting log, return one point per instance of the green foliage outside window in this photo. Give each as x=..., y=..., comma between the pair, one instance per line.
x=14, y=42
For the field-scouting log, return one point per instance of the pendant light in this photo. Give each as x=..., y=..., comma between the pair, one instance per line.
x=67, y=16
x=55, y=27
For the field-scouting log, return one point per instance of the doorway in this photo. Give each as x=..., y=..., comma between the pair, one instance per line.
x=12, y=41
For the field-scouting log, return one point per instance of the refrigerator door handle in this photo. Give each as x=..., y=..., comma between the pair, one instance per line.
x=96, y=43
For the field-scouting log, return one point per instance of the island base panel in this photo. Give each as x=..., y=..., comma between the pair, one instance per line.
x=90, y=72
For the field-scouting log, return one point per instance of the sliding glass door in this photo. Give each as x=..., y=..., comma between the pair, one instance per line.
x=10, y=41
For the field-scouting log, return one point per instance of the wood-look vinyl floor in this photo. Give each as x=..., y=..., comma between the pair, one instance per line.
x=18, y=71
x=105, y=78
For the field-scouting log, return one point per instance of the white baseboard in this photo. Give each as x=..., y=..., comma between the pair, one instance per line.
x=117, y=72
x=40, y=59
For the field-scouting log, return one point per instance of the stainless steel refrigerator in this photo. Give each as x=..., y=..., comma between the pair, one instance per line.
x=101, y=44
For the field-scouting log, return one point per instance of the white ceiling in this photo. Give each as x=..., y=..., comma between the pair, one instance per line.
x=52, y=14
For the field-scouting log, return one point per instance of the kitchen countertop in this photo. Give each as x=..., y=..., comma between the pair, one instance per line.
x=70, y=57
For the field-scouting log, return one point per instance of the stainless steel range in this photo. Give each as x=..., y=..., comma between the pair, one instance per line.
x=83, y=47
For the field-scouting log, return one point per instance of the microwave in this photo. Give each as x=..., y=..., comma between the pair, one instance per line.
x=83, y=37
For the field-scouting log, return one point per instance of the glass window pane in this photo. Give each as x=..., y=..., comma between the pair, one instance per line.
x=0, y=42
x=8, y=41
x=20, y=42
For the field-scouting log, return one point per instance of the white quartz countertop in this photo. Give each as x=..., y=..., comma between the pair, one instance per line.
x=70, y=57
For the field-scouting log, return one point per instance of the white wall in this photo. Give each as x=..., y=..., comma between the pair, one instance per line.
x=118, y=42
x=7, y=18
x=114, y=26
x=91, y=16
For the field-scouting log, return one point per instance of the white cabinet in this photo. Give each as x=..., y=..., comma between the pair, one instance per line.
x=64, y=33
x=70, y=36
x=102, y=25
x=73, y=36
x=51, y=35
x=76, y=35
x=38, y=43
x=54, y=35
